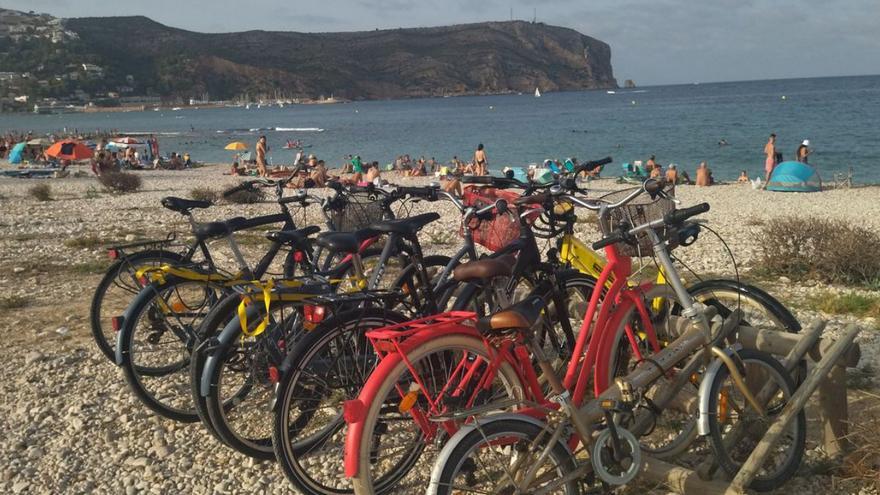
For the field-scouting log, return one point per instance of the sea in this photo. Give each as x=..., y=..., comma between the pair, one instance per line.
x=681, y=124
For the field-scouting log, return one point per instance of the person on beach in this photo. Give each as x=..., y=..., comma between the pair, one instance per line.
x=319, y=174
x=651, y=163
x=803, y=151
x=481, y=162
x=704, y=175
x=356, y=165
x=656, y=172
x=261, y=156
x=770, y=160
x=672, y=174
x=743, y=177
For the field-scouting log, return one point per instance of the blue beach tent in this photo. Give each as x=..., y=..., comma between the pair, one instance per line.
x=15, y=154
x=794, y=177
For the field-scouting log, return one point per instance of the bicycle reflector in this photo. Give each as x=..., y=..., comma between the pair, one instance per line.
x=274, y=375
x=409, y=400
x=298, y=256
x=113, y=254
x=314, y=314
x=116, y=322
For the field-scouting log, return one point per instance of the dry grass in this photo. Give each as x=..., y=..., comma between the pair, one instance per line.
x=90, y=241
x=204, y=194
x=848, y=304
x=13, y=302
x=863, y=463
x=41, y=192
x=120, y=182
x=245, y=197
x=826, y=250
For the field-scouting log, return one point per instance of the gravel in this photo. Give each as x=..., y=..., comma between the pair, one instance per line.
x=72, y=426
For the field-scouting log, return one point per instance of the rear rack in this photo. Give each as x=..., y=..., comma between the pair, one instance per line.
x=395, y=334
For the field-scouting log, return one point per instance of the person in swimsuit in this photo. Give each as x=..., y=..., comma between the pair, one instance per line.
x=803, y=151
x=261, y=156
x=770, y=161
x=480, y=161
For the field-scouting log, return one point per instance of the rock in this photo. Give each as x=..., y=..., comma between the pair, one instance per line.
x=130, y=238
x=33, y=357
x=62, y=331
x=20, y=486
x=18, y=269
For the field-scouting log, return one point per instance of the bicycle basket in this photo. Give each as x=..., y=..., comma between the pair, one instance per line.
x=502, y=229
x=354, y=211
x=639, y=211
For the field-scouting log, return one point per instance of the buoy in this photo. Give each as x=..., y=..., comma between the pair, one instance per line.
x=634, y=102
x=491, y=107
x=784, y=97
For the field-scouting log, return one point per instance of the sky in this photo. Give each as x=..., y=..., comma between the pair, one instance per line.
x=652, y=42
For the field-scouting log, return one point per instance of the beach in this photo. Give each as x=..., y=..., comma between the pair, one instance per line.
x=73, y=426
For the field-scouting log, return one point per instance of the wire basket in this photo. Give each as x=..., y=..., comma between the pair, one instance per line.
x=639, y=211
x=354, y=211
x=502, y=229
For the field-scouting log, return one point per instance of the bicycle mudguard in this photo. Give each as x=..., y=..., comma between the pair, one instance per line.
x=354, y=411
x=706, y=389
x=453, y=441
x=230, y=332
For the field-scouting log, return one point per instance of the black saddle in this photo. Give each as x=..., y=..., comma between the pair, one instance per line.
x=219, y=229
x=406, y=226
x=293, y=238
x=182, y=205
x=345, y=242
x=521, y=316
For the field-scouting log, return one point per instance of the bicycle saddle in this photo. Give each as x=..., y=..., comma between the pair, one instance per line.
x=293, y=238
x=521, y=316
x=182, y=205
x=486, y=269
x=218, y=229
x=345, y=242
x=406, y=226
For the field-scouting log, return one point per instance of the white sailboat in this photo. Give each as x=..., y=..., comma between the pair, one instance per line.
x=537, y=93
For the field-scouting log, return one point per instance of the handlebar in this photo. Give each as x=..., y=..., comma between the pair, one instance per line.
x=592, y=165
x=676, y=217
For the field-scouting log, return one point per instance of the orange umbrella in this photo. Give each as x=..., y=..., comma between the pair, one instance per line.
x=69, y=150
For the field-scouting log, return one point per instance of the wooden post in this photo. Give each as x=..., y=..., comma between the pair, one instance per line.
x=834, y=411
x=679, y=479
x=797, y=402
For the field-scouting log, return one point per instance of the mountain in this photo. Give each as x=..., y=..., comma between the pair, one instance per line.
x=140, y=56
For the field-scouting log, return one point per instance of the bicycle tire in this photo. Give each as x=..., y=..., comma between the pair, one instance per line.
x=136, y=374
x=763, y=481
x=97, y=309
x=388, y=377
x=457, y=453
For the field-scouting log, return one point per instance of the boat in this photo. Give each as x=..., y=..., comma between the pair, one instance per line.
x=176, y=109
x=611, y=92
x=247, y=107
x=537, y=93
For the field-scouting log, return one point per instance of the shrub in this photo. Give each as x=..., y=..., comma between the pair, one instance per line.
x=120, y=182
x=92, y=193
x=245, y=196
x=42, y=192
x=89, y=241
x=831, y=251
x=13, y=302
x=203, y=194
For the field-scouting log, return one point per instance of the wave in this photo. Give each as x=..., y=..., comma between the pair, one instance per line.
x=299, y=129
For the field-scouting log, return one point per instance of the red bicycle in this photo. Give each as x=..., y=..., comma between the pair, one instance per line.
x=434, y=368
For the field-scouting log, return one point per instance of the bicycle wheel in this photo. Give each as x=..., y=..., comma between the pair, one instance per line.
x=117, y=288
x=156, y=340
x=215, y=321
x=494, y=457
x=329, y=365
x=735, y=427
x=395, y=450
x=241, y=380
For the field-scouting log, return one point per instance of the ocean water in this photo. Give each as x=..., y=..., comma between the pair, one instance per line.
x=680, y=124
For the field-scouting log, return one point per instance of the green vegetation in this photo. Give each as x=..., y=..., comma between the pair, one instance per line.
x=90, y=267
x=204, y=194
x=41, y=192
x=858, y=305
x=13, y=302
x=84, y=242
x=830, y=251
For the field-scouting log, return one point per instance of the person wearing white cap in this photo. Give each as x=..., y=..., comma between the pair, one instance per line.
x=803, y=151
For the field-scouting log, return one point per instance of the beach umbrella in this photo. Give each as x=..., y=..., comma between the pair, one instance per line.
x=69, y=150
x=39, y=142
x=236, y=146
x=126, y=140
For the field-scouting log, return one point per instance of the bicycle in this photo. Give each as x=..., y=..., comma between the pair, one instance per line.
x=395, y=377
x=541, y=438
x=304, y=449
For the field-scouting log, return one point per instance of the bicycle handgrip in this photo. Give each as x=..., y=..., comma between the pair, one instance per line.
x=612, y=238
x=678, y=216
x=654, y=186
